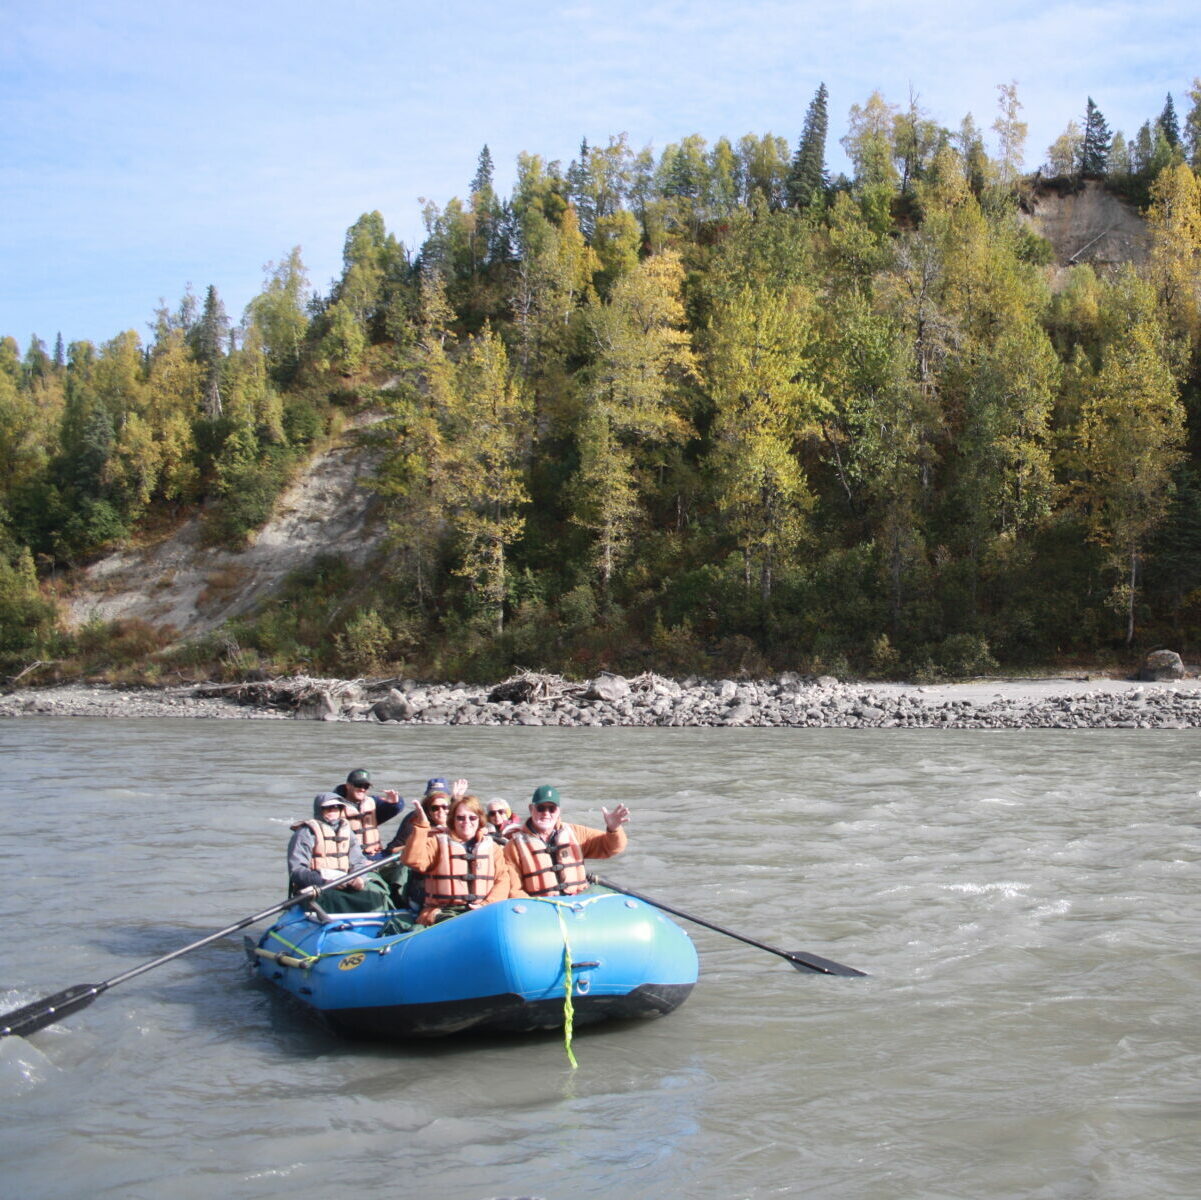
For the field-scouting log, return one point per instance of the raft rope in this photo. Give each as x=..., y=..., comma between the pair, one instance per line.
x=568, y=1007
x=575, y=903
x=307, y=960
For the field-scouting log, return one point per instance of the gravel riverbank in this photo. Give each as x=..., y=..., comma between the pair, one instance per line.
x=651, y=700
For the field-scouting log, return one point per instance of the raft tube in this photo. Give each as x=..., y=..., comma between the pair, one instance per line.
x=505, y=967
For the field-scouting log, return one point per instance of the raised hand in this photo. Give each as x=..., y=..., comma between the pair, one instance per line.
x=617, y=818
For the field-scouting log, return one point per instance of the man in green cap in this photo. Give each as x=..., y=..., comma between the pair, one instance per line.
x=549, y=855
x=367, y=812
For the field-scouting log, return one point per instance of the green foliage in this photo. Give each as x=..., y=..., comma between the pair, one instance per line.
x=960, y=656
x=27, y=619
x=702, y=409
x=365, y=645
x=249, y=492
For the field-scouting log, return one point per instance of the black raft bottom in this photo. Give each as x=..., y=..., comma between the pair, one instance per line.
x=504, y=1014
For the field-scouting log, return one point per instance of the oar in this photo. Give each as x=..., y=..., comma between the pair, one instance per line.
x=39, y=1014
x=802, y=962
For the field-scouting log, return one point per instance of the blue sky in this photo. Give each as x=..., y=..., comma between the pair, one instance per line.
x=148, y=146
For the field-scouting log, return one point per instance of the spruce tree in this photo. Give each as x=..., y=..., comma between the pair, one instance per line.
x=580, y=193
x=1094, y=153
x=808, y=180
x=208, y=338
x=1169, y=123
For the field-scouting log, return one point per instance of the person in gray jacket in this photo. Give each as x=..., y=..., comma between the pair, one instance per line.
x=323, y=848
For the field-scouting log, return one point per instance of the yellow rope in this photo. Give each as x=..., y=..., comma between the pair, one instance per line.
x=568, y=1007
x=312, y=958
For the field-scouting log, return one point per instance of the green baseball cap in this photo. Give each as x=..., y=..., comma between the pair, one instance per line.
x=546, y=795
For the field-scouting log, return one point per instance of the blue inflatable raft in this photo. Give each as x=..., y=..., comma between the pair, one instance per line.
x=510, y=967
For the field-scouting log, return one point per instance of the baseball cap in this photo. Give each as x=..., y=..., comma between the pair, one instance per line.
x=546, y=795
x=359, y=778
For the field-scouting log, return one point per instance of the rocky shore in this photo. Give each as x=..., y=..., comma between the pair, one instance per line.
x=788, y=701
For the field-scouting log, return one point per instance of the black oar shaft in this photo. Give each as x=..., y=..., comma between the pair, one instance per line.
x=37, y=1015
x=811, y=962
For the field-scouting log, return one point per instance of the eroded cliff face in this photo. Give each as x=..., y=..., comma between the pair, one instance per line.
x=178, y=582
x=1087, y=224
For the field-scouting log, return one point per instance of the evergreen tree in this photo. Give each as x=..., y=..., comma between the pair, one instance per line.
x=487, y=212
x=579, y=191
x=1094, y=150
x=1169, y=123
x=60, y=353
x=808, y=179
x=208, y=338
x=481, y=183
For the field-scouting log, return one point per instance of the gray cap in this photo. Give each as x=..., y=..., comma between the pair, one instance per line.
x=327, y=800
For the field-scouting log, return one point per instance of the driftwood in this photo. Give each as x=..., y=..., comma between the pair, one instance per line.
x=288, y=694
x=11, y=681
x=530, y=686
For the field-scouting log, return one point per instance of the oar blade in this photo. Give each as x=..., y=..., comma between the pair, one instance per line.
x=21, y=1022
x=814, y=962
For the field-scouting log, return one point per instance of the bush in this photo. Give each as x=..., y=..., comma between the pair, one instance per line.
x=364, y=646
x=578, y=607
x=957, y=657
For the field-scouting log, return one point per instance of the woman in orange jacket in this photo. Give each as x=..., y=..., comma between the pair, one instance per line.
x=463, y=866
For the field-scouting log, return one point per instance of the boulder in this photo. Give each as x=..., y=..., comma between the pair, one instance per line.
x=608, y=687
x=1160, y=665
x=394, y=707
x=320, y=707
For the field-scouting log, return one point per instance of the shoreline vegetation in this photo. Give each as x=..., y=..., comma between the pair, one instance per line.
x=787, y=700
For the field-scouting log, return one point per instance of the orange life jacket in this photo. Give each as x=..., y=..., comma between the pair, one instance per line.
x=363, y=821
x=331, y=849
x=461, y=873
x=554, y=866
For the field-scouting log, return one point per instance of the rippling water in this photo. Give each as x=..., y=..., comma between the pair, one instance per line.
x=1026, y=903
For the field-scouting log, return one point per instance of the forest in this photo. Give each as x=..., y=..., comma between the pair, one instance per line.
x=703, y=410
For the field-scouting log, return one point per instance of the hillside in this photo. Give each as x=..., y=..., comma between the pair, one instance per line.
x=178, y=582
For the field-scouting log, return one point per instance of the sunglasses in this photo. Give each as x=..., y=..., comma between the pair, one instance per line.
x=546, y=808
x=498, y=812
x=466, y=817
x=439, y=808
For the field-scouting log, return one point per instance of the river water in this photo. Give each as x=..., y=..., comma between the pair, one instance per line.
x=1026, y=903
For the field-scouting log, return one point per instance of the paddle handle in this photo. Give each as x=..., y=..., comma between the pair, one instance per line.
x=40, y=1013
